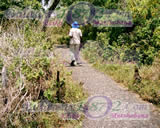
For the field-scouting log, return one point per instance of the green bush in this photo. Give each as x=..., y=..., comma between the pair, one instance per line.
x=139, y=43
x=30, y=61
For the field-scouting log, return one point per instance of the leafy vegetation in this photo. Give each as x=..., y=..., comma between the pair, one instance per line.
x=28, y=55
x=116, y=50
x=123, y=73
x=139, y=43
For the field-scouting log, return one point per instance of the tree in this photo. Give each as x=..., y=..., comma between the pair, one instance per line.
x=51, y=9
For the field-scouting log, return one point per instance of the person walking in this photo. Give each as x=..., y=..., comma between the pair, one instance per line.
x=75, y=40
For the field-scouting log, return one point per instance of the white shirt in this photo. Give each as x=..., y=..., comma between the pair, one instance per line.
x=76, y=35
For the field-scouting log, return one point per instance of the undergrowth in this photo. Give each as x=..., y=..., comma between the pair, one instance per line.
x=123, y=72
x=28, y=55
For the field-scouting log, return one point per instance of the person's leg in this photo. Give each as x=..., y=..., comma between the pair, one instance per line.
x=77, y=52
x=73, y=55
x=72, y=52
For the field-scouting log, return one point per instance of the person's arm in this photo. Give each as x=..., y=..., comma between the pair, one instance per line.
x=81, y=44
x=81, y=35
x=70, y=34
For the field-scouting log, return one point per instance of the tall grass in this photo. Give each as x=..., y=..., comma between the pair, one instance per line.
x=123, y=73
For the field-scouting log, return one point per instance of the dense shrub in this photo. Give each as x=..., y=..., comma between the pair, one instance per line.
x=28, y=54
x=139, y=43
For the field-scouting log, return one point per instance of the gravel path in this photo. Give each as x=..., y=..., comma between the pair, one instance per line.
x=96, y=83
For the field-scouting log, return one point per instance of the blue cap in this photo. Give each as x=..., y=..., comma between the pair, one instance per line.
x=75, y=24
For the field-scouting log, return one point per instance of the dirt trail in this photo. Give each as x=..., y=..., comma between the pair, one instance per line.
x=96, y=83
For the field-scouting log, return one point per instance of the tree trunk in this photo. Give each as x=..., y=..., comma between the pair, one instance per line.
x=51, y=9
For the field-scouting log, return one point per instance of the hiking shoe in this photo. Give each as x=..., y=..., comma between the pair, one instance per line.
x=73, y=63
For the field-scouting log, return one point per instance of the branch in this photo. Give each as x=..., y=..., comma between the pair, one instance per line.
x=20, y=102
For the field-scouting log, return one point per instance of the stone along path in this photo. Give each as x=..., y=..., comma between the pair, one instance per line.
x=96, y=83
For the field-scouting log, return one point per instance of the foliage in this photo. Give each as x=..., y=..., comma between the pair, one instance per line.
x=32, y=65
x=5, y=4
x=139, y=43
x=20, y=4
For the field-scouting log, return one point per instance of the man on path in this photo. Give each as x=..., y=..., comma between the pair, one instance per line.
x=75, y=35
